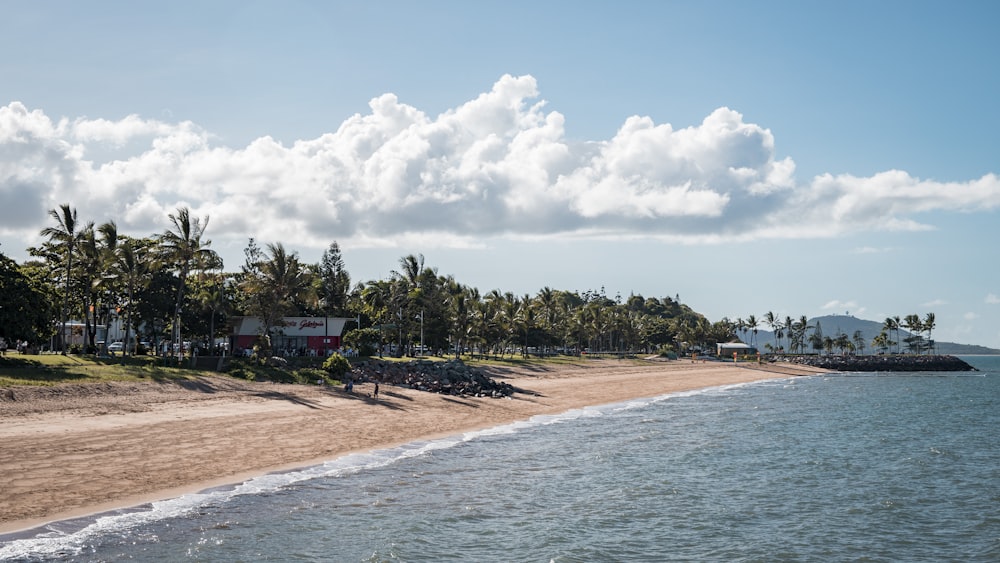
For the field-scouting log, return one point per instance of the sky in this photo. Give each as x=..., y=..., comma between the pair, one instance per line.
x=798, y=157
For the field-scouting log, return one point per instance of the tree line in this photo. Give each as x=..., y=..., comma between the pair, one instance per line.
x=800, y=336
x=171, y=286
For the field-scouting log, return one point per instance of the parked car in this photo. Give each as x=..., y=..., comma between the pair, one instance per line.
x=116, y=346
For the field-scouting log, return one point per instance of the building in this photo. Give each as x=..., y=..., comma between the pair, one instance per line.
x=293, y=336
x=726, y=349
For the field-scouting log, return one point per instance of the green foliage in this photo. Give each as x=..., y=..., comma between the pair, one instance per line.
x=25, y=311
x=364, y=340
x=337, y=366
x=312, y=375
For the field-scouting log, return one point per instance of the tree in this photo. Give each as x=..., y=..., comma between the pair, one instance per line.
x=25, y=310
x=65, y=236
x=776, y=327
x=913, y=324
x=334, y=282
x=132, y=268
x=214, y=299
x=182, y=250
x=859, y=341
x=277, y=284
x=752, y=325
x=889, y=325
x=881, y=341
x=928, y=324
x=816, y=340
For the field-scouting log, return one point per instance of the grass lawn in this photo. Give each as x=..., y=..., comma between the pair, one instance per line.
x=53, y=369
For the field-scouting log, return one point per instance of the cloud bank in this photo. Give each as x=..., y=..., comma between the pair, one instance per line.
x=497, y=166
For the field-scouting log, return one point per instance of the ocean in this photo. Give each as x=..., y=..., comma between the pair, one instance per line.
x=844, y=467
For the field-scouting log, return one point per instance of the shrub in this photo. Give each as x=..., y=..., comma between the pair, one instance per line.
x=312, y=375
x=365, y=340
x=337, y=366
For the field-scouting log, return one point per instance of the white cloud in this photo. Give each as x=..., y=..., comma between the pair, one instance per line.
x=970, y=316
x=838, y=305
x=497, y=165
x=934, y=303
x=992, y=299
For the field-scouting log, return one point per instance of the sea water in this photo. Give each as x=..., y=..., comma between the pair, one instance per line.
x=844, y=467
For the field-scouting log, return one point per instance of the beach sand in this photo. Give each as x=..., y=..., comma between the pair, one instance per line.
x=75, y=450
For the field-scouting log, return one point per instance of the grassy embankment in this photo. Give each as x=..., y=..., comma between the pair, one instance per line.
x=55, y=369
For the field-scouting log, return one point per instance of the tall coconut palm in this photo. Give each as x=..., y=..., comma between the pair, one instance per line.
x=183, y=250
x=752, y=325
x=859, y=341
x=889, y=325
x=132, y=268
x=800, y=332
x=915, y=326
x=896, y=324
x=64, y=234
x=928, y=324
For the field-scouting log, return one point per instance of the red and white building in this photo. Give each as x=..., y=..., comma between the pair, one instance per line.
x=292, y=335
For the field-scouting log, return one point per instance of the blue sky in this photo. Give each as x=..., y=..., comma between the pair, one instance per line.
x=796, y=157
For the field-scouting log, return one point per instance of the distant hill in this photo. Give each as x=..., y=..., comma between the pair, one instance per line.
x=833, y=325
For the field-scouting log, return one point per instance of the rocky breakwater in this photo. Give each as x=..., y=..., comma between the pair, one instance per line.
x=452, y=377
x=885, y=363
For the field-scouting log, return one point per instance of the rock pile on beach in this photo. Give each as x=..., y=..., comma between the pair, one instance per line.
x=452, y=377
x=892, y=362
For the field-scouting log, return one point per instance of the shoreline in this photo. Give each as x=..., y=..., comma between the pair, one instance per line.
x=124, y=450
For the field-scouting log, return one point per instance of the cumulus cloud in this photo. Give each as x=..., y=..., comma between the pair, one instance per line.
x=497, y=165
x=992, y=299
x=934, y=303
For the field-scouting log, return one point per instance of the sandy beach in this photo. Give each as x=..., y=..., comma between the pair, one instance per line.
x=76, y=450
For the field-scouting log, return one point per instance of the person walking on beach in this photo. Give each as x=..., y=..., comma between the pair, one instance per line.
x=375, y=394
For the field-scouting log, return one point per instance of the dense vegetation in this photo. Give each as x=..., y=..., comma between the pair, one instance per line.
x=171, y=286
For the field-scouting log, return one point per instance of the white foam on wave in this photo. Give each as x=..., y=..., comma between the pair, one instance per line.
x=71, y=537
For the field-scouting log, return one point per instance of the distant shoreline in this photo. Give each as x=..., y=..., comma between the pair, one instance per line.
x=892, y=362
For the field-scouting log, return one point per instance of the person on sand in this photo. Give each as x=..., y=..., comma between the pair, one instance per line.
x=375, y=394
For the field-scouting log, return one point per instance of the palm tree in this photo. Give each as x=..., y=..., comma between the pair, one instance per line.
x=881, y=341
x=752, y=325
x=859, y=341
x=408, y=296
x=64, y=234
x=283, y=281
x=375, y=304
x=929, y=323
x=183, y=250
x=915, y=326
x=132, y=268
x=458, y=301
x=888, y=325
x=776, y=327
x=789, y=328
x=213, y=297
